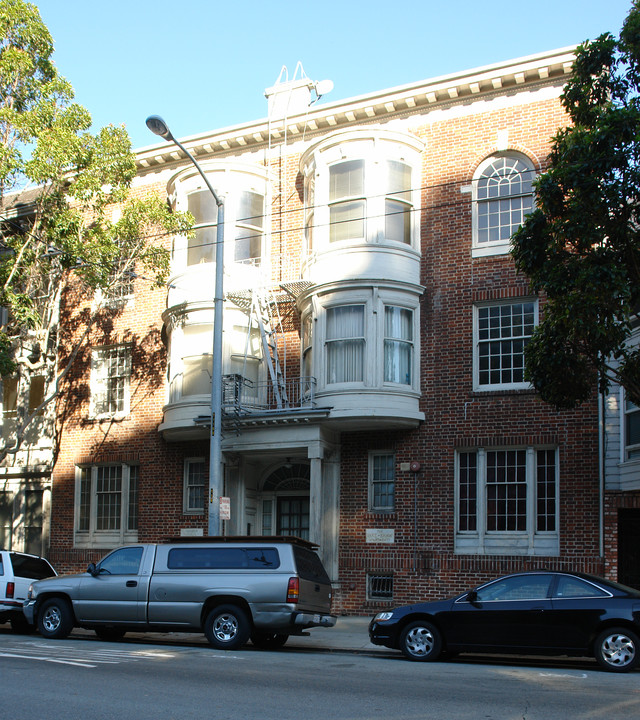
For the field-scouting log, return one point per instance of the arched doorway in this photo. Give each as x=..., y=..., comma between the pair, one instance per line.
x=285, y=501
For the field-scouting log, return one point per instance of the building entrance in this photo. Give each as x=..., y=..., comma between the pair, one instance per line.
x=629, y=547
x=285, y=501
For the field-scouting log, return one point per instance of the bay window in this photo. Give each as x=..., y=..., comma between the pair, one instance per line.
x=362, y=186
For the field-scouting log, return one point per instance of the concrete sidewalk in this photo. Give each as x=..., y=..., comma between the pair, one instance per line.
x=349, y=634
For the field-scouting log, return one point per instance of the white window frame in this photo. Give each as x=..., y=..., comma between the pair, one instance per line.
x=527, y=541
x=374, y=481
x=100, y=380
x=400, y=343
x=500, y=246
x=189, y=508
x=86, y=493
x=630, y=451
x=477, y=341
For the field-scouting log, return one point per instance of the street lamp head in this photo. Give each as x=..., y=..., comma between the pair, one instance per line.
x=159, y=127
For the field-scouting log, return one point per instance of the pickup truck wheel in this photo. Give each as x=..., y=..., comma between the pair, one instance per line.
x=55, y=619
x=227, y=627
x=269, y=641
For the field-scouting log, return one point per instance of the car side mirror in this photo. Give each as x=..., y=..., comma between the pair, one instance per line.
x=472, y=596
x=92, y=569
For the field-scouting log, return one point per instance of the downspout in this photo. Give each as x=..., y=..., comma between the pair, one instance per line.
x=601, y=471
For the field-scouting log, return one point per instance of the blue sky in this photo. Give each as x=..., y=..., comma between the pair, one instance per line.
x=204, y=64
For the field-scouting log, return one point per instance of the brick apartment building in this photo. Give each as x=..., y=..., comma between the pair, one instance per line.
x=367, y=241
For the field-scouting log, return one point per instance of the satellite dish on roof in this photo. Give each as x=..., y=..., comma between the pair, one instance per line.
x=323, y=87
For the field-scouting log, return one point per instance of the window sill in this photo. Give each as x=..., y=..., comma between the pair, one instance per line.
x=479, y=251
x=108, y=417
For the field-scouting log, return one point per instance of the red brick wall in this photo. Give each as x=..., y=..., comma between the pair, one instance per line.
x=423, y=561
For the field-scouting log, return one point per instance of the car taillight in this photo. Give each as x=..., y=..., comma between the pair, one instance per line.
x=10, y=589
x=293, y=591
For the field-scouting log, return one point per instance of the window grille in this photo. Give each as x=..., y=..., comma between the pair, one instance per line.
x=380, y=587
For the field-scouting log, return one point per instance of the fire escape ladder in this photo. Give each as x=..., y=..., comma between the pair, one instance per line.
x=266, y=311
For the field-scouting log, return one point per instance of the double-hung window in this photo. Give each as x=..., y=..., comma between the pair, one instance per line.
x=111, y=373
x=501, y=335
x=398, y=205
x=631, y=430
x=201, y=247
x=345, y=344
x=503, y=196
x=106, y=504
x=347, y=205
x=507, y=501
x=249, y=227
x=382, y=481
x=398, y=344
x=195, y=478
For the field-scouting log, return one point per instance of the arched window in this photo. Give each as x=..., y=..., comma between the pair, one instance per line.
x=503, y=194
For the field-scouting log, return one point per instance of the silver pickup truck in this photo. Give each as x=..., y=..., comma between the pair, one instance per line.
x=232, y=589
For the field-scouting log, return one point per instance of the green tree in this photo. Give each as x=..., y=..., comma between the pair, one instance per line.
x=580, y=247
x=59, y=185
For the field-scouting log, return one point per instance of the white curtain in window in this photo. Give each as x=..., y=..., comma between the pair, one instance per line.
x=345, y=344
x=398, y=345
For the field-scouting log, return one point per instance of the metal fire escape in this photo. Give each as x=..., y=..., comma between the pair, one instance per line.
x=264, y=309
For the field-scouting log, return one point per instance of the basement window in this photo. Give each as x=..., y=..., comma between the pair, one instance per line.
x=380, y=586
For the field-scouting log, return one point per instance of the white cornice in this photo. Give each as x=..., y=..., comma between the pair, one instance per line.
x=514, y=76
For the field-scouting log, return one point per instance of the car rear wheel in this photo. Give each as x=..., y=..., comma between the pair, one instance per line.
x=269, y=641
x=227, y=627
x=421, y=640
x=55, y=619
x=616, y=649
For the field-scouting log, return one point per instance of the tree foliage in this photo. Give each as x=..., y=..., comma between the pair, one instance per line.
x=66, y=210
x=580, y=246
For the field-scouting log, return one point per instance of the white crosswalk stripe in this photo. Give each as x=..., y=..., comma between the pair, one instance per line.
x=80, y=656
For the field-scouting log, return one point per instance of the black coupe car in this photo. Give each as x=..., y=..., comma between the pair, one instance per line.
x=534, y=613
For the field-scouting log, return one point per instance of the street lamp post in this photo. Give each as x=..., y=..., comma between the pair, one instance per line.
x=158, y=126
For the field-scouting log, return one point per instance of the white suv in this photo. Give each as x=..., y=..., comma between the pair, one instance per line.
x=17, y=571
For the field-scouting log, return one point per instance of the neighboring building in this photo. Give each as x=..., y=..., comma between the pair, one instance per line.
x=25, y=471
x=620, y=442
x=373, y=348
